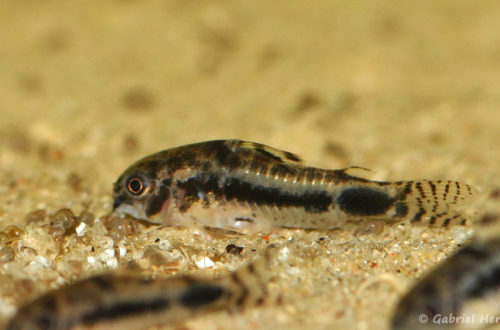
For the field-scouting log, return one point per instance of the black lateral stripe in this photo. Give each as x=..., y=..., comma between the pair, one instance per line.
x=240, y=190
x=313, y=202
x=364, y=201
x=201, y=295
x=124, y=309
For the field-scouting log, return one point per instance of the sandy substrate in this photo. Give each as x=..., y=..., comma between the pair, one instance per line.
x=410, y=91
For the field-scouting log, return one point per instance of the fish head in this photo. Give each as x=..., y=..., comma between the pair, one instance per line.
x=143, y=190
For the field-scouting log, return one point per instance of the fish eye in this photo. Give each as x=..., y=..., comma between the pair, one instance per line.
x=136, y=185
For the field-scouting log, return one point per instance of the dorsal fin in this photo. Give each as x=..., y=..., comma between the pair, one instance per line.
x=354, y=168
x=355, y=172
x=269, y=152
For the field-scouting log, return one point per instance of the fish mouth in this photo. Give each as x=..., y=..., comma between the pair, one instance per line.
x=130, y=210
x=119, y=199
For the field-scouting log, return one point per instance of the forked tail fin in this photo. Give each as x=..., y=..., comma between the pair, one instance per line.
x=433, y=202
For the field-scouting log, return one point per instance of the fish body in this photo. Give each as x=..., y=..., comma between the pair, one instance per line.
x=114, y=301
x=463, y=292
x=247, y=186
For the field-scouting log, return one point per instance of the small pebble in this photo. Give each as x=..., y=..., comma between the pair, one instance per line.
x=122, y=251
x=7, y=254
x=370, y=229
x=13, y=232
x=294, y=271
x=112, y=263
x=38, y=263
x=396, y=248
x=80, y=229
x=154, y=256
x=233, y=249
x=105, y=242
x=117, y=229
x=459, y=235
x=203, y=262
x=66, y=218
x=164, y=245
x=108, y=257
x=36, y=216
x=283, y=254
x=87, y=217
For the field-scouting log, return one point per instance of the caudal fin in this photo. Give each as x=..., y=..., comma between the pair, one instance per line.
x=434, y=202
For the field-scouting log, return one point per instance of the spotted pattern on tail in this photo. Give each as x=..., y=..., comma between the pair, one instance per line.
x=435, y=202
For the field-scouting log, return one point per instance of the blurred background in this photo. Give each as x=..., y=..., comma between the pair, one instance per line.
x=369, y=83
x=408, y=89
